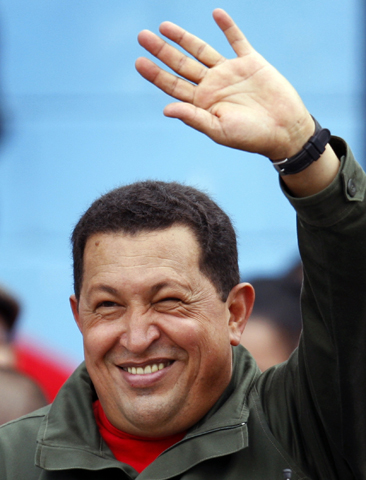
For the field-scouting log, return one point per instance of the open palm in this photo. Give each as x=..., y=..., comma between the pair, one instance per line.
x=243, y=103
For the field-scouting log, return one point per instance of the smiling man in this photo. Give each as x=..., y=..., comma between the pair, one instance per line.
x=157, y=334
x=166, y=390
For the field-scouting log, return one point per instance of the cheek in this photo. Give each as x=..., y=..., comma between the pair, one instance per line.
x=99, y=340
x=201, y=337
x=185, y=332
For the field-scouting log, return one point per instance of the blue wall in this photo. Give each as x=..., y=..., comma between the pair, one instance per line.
x=80, y=120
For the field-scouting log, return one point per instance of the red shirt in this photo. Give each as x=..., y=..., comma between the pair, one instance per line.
x=138, y=452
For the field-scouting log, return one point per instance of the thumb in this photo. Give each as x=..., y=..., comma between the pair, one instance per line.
x=195, y=117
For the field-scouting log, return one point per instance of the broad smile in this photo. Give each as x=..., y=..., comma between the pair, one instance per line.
x=152, y=368
x=147, y=374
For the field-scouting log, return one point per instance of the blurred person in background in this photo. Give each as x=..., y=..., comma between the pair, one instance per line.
x=28, y=357
x=19, y=395
x=273, y=330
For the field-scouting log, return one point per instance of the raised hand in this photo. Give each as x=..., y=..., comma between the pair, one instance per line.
x=243, y=103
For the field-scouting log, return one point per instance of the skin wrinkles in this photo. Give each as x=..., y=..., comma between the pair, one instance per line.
x=144, y=301
x=158, y=293
x=183, y=307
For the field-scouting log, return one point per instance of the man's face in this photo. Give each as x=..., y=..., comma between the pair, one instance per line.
x=157, y=337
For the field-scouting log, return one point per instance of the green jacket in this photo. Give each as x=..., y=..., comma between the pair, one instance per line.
x=307, y=414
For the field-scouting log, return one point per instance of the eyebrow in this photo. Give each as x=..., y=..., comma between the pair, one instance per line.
x=159, y=286
x=154, y=289
x=103, y=288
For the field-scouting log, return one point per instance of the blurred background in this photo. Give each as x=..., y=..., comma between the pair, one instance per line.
x=77, y=120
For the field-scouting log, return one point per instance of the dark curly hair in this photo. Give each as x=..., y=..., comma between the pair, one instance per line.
x=156, y=205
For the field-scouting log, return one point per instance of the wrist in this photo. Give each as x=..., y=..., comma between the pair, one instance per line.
x=318, y=176
x=293, y=139
x=310, y=152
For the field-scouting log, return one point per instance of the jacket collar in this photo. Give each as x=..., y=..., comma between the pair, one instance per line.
x=69, y=437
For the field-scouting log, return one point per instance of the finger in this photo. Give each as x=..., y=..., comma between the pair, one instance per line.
x=234, y=35
x=173, y=58
x=199, y=49
x=197, y=118
x=167, y=82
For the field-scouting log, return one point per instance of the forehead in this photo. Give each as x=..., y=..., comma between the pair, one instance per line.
x=174, y=250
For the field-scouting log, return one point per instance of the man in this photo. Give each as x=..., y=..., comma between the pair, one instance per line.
x=167, y=391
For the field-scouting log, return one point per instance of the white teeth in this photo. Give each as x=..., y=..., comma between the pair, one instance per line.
x=148, y=369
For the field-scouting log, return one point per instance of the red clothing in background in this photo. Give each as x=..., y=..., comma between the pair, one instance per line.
x=49, y=373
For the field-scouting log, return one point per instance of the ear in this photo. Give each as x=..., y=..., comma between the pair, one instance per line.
x=240, y=304
x=75, y=310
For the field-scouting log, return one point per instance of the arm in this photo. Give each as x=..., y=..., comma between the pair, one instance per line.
x=243, y=103
x=331, y=365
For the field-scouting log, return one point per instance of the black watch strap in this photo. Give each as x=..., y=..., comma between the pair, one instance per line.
x=310, y=152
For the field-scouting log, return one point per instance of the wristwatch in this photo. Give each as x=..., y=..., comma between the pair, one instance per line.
x=310, y=152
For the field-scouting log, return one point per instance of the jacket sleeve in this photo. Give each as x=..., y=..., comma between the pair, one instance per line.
x=323, y=387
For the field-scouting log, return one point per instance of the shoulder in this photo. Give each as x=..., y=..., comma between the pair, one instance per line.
x=19, y=437
x=22, y=430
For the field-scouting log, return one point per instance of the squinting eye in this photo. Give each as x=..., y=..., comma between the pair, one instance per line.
x=106, y=304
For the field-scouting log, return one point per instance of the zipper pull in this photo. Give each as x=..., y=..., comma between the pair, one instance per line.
x=287, y=474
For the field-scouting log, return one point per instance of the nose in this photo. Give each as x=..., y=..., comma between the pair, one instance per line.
x=140, y=330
